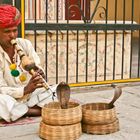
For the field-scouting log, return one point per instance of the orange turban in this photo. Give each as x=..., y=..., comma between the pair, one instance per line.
x=9, y=16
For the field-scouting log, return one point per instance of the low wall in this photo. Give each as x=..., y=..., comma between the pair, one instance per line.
x=82, y=63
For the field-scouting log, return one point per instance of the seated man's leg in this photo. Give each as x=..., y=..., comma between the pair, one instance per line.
x=34, y=111
x=41, y=96
x=10, y=109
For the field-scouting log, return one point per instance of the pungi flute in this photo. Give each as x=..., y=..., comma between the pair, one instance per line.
x=28, y=64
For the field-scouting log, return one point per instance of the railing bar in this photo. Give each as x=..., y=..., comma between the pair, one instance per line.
x=46, y=11
x=132, y=16
x=106, y=11
x=122, y=68
x=139, y=55
x=67, y=9
x=57, y=6
x=35, y=34
x=139, y=47
x=114, y=54
x=77, y=56
x=35, y=39
x=35, y=10
x=96, y=55
x=52, y=26
x=67, y=54
x=57, y=49
x=105, y=55
x=87, y=56
x=57, y=56
x=131, y=55
x=46, y=54
x=87, y=14
x=116, y=2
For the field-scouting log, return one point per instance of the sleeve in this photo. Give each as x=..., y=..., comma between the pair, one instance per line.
x=15, y=92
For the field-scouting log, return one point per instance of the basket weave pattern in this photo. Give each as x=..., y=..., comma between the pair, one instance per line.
x=99, y=118
x=101, y=129
x=98, y=113
x=52, y=114
x=67, y=132
x=61, y=124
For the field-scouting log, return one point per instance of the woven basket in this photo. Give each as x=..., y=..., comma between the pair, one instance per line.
x=101, y=118
x=67, y=132
x=52, y=114
x=98, y=113
x=101, y=129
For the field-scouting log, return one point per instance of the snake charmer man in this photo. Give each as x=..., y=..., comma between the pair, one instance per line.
x=16, y=82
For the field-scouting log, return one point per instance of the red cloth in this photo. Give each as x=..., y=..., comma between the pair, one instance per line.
x=9, y=16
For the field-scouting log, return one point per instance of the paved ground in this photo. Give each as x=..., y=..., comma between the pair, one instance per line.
x=128, y=111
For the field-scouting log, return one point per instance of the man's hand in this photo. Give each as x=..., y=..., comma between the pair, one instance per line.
x=40, y=71
x=35, y=82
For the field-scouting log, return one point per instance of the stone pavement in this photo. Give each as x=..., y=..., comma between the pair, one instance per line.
x=127, y=107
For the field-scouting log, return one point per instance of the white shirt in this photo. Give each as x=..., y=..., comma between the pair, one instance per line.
x=12, y=85
x=12, y=88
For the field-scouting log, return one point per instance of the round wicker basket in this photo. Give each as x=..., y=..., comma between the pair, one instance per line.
x=52, y=114
x=67, y=132
x=98, y=113
x=101, y=129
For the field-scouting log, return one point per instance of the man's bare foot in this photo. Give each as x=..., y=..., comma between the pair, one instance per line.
x=34, y=111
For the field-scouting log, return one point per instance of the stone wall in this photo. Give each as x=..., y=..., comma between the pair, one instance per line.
x=82, y=63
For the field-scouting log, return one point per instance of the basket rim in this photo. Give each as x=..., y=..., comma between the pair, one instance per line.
x=46, y=106
x=94, y=103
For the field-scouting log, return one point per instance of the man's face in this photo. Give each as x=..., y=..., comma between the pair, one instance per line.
x=7, y=34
